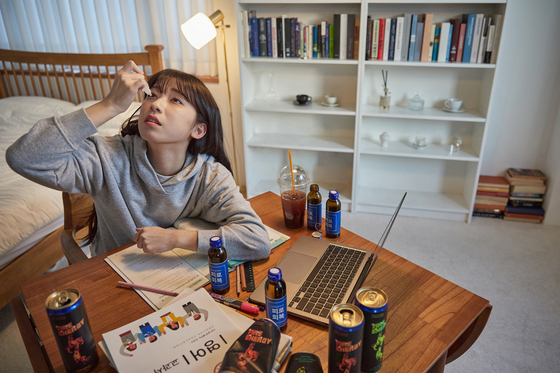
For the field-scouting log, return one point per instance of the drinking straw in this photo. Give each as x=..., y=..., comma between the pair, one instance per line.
x=292, y=172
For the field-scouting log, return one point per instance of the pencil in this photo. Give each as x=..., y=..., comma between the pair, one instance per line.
x=238, y=280
x=147, y=288
x=243, y=281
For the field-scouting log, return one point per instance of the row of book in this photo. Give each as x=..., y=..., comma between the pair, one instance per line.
x=285, y=37
x=413, y=37
x=516, y=197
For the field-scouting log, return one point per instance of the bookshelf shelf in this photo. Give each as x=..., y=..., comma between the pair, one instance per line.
x=339, y=146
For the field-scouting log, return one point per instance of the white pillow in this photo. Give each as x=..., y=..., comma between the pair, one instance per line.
x=113, y=126
x=22, y=112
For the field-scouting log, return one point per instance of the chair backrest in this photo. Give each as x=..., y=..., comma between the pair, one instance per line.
x=77, y=210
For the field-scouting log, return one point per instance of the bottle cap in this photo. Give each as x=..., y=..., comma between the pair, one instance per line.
x=333, y=194
x=314, y=187
x=274, y=274
x=215, y=242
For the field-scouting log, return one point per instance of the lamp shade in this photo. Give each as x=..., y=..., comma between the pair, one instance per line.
x=199, y=30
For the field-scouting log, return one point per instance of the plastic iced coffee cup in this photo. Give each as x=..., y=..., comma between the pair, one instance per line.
x=293, y=195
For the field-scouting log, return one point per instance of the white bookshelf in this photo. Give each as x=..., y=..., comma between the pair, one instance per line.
x=339, y=146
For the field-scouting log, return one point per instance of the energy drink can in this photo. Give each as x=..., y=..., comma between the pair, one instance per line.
x=71, y=329
x=373, y=302
x=346, y=329
x=304, y=362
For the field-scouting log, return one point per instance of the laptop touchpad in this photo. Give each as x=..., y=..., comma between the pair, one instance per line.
x=295, y=266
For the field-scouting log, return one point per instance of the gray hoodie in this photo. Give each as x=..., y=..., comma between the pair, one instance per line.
x=61, y=153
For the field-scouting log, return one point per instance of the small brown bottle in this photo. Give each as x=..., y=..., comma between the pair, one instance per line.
x=332, y=218
x=314, y=208
x=218, y=265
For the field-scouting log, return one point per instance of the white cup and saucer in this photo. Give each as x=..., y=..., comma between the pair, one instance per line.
x=453, y=105
x=330, y=101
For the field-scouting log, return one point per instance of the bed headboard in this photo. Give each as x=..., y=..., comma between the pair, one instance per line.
x=66, y=76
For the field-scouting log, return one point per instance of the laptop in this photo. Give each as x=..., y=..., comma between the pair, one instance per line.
x=320, y=274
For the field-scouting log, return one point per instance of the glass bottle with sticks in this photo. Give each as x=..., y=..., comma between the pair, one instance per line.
x=385, y=99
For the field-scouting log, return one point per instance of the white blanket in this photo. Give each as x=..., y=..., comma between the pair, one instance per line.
x=25, y=206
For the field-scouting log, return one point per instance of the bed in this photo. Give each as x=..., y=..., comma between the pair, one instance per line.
x=35, y=86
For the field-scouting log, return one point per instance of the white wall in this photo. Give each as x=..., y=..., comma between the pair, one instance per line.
x=524, y=126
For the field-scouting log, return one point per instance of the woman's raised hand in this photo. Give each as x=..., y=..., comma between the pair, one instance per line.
x=128, y=82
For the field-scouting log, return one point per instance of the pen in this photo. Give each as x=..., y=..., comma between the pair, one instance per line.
x=238, y=282
x=147, y=288
x=243, y=281
x=237, y=304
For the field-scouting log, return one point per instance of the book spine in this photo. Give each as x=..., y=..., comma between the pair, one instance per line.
x=387, y=41
x=269, y=37
x=324, y=39
x=331, y=41
x=254, y=37
x=412, y=43
x=455, y=40
x=287, y=38
x=315, y=39
x=406, y=36
x=392, y=36
x=449, y=43
x=497, y=36
x=368, y=38
x=461, y=46
x=436, y=43
x=336, y=36
x=471, y=19
x=418, y=46
x=495, y=194
x=297, y=27
x=262, y=37
x=488, y=215
x=343, y=36
x=381, y=40
x=246, y=34
x=432, y=39
x=293, y=46
x=375, y=40
x=399, y=39
x=356, y=39
x=280, y=37
x=482, y=43
x=425, y=55
x=274, y=38
x=477, y=33
x=490, y=42
x=350, y=36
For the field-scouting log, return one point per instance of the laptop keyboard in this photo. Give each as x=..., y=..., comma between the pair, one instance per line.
x=327, y=284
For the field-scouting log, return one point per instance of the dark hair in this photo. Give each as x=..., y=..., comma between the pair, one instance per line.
x=207, y=112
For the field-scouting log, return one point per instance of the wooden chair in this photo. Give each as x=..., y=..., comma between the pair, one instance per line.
x=77, y=209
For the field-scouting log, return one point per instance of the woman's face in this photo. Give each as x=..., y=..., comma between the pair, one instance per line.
x=167, y=118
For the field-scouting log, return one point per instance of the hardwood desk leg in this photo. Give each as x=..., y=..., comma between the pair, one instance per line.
x=439, y=365
x=39, y=361
x=467, y=339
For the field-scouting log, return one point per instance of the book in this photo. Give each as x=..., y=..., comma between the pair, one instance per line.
x=336, y=36
x=297, y=39
x=246, y=33
x=280, y=36
x=483, y=39
x=350, y=36
x=293, y=46
x=331, y=41
x=489, y=206
x=406, y=37
x=490, y=200
x=477, y=34
x=470, y=20
x=356, y=39
x=493, y=181
x=387, y=41
x=436, y=44
x=369, y=32
x=537, y=189
x=268, y=37
x=523, y=181
x=432, y=38
x=532, y=195
x=456, y=23
x=193, y=334
x=443, y=41
x=381, y=40
x=492, y=193
x=461, y=47
x=524, y=220
x=254, y=37
x=426, y=38
x=489, y=211
x=488, y=215
x=315, y=42
x=525, y=173
x=287, y=36
x=399, y=39
x=497, y=36
x=449, y=43
x=489, y=44
x=262, y=37
x=492, y=189
x=375, y=40
x=524, y=203
x=539, y=211
x=343, y=36
x=274, y=32
x=392, y=36
x=418, y=46
x=412, y=41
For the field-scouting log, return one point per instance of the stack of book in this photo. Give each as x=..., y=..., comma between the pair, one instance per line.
x=286, y=37
x=473, y=38
x=492, y=196
x=526, y=195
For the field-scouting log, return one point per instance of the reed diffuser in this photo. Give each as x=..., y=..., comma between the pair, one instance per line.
x=385, y=99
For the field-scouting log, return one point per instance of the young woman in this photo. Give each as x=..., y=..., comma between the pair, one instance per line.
x=167, y=165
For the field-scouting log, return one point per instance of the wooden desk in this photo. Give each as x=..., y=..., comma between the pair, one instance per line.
x=431, y=321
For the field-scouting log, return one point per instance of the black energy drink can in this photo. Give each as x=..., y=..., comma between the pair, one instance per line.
x=304, y=362
x=346, y=328
x=72, y=331
x=373, y=302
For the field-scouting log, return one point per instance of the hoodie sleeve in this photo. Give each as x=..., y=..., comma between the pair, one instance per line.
x=243, y=233
x=56, y=153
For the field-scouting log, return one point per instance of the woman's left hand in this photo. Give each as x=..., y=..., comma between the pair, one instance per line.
x=154, y=240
